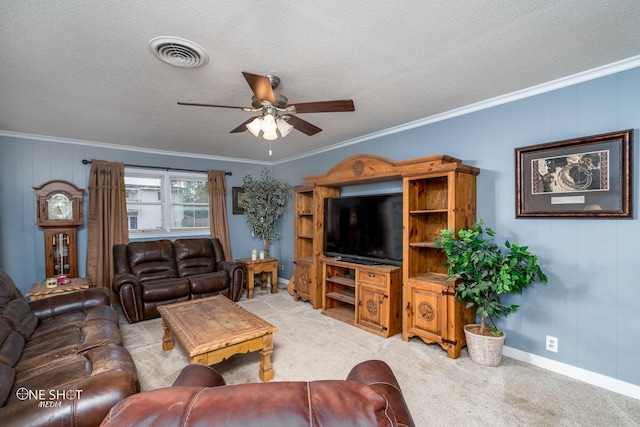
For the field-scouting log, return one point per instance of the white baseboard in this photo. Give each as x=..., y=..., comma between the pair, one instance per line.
x=579, y=374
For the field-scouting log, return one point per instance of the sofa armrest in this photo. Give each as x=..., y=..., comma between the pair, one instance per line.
x=379, y=376
x=122, y=279
x=237, y=277
x=129, y=291
x=199, y=376
x=78, y=300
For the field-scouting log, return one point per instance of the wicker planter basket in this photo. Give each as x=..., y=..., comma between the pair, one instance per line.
x=482, y=349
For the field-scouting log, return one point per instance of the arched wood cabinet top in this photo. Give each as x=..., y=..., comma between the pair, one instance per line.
x=365, y=168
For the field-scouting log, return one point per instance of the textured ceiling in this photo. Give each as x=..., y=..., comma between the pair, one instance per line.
x=82, y=69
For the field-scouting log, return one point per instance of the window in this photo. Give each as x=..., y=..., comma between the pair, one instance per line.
x=160, y=202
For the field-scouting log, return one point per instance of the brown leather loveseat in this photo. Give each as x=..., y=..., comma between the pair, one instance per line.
x=370, y=396
x=62, y=362
x=153, y=273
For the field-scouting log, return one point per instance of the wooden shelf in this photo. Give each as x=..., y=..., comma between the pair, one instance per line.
x=436, y=201
x=431, y=278
x=344, y=313
x=422, y=245
x=341, y=280
x=305, y=236
x=426, y=211
x=345, y=295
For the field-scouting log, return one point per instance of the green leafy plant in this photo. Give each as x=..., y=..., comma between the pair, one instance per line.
x=264, y=202
x=484, y=272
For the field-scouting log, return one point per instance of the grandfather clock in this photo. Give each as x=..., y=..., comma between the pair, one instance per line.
x=59, y=213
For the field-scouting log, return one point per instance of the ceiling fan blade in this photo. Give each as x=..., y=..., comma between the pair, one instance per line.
x=209, y=105
x=261, y=87
x=243, y=126
x=325, y=106
x=303, y=126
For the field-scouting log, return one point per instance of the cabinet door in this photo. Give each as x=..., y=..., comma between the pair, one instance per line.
x=372, y=308
x=428, y=308
x=304, y=283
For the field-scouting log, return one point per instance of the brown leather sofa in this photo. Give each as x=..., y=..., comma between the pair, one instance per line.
x=370, y=396
x=153, y=273
x=61, y=358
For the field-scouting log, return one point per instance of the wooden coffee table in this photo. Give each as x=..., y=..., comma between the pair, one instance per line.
x=213, y=329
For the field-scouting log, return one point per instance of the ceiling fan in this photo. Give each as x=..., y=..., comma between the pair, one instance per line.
x=275, y=111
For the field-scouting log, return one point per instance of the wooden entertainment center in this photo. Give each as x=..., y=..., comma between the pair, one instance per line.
x=439, y=192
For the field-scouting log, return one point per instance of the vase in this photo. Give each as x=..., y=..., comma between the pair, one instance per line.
x=484, y=350
x=265, y=243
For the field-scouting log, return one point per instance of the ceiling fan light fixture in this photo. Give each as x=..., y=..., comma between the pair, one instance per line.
x=255, y=126
x=270, y=136
x=284, y=127
x=269, y=124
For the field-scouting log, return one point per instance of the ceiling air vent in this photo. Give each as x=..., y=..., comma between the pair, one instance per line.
x=178, y=52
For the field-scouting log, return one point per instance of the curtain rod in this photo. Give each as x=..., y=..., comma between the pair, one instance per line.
x=88, y=162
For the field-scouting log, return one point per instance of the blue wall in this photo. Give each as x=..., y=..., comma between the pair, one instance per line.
x=590, y=302
x=25, y=163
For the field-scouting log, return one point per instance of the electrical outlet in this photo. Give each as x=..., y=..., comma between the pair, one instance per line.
x=281, y=267
x=552, y=343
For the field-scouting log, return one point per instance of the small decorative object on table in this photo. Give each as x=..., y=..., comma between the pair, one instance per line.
x=63, y=279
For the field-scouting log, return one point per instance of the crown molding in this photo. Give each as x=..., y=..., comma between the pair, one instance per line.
x=127, y=147
x=584, y=76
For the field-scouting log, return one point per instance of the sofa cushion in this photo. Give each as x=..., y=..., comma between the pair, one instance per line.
x=17, y=322
x=194, y=256
x=53, y=374
x=209, y=283
x=152, y=260
x=7, y=376
x=14, y=309
x=165, y=290
x=69, y=334
x=11, y=344
x=18, y=315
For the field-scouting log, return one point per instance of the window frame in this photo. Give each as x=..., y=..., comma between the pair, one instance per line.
x=166, y=204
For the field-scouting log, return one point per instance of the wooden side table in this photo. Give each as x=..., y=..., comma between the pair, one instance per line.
x=39, y=290
x=262, y=267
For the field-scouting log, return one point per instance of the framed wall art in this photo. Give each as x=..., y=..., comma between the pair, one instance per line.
x=238, y=200
x=581, y=177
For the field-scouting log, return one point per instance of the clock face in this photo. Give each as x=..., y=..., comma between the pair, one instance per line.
x=59, y=207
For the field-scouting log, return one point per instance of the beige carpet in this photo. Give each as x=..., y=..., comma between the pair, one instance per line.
x=439, y=391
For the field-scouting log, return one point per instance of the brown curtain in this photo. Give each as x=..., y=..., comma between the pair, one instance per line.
x=218, y=223
x=107, y=221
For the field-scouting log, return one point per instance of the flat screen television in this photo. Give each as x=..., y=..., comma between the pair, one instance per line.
x=364, y=229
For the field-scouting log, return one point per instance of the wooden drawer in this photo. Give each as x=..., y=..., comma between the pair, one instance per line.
x=372, y=277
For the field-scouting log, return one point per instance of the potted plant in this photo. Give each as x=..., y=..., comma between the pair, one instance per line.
x=484, y=272
x=264, y=202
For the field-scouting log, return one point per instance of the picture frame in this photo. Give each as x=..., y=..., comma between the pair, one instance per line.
x=588, y=177
x=238, y=200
